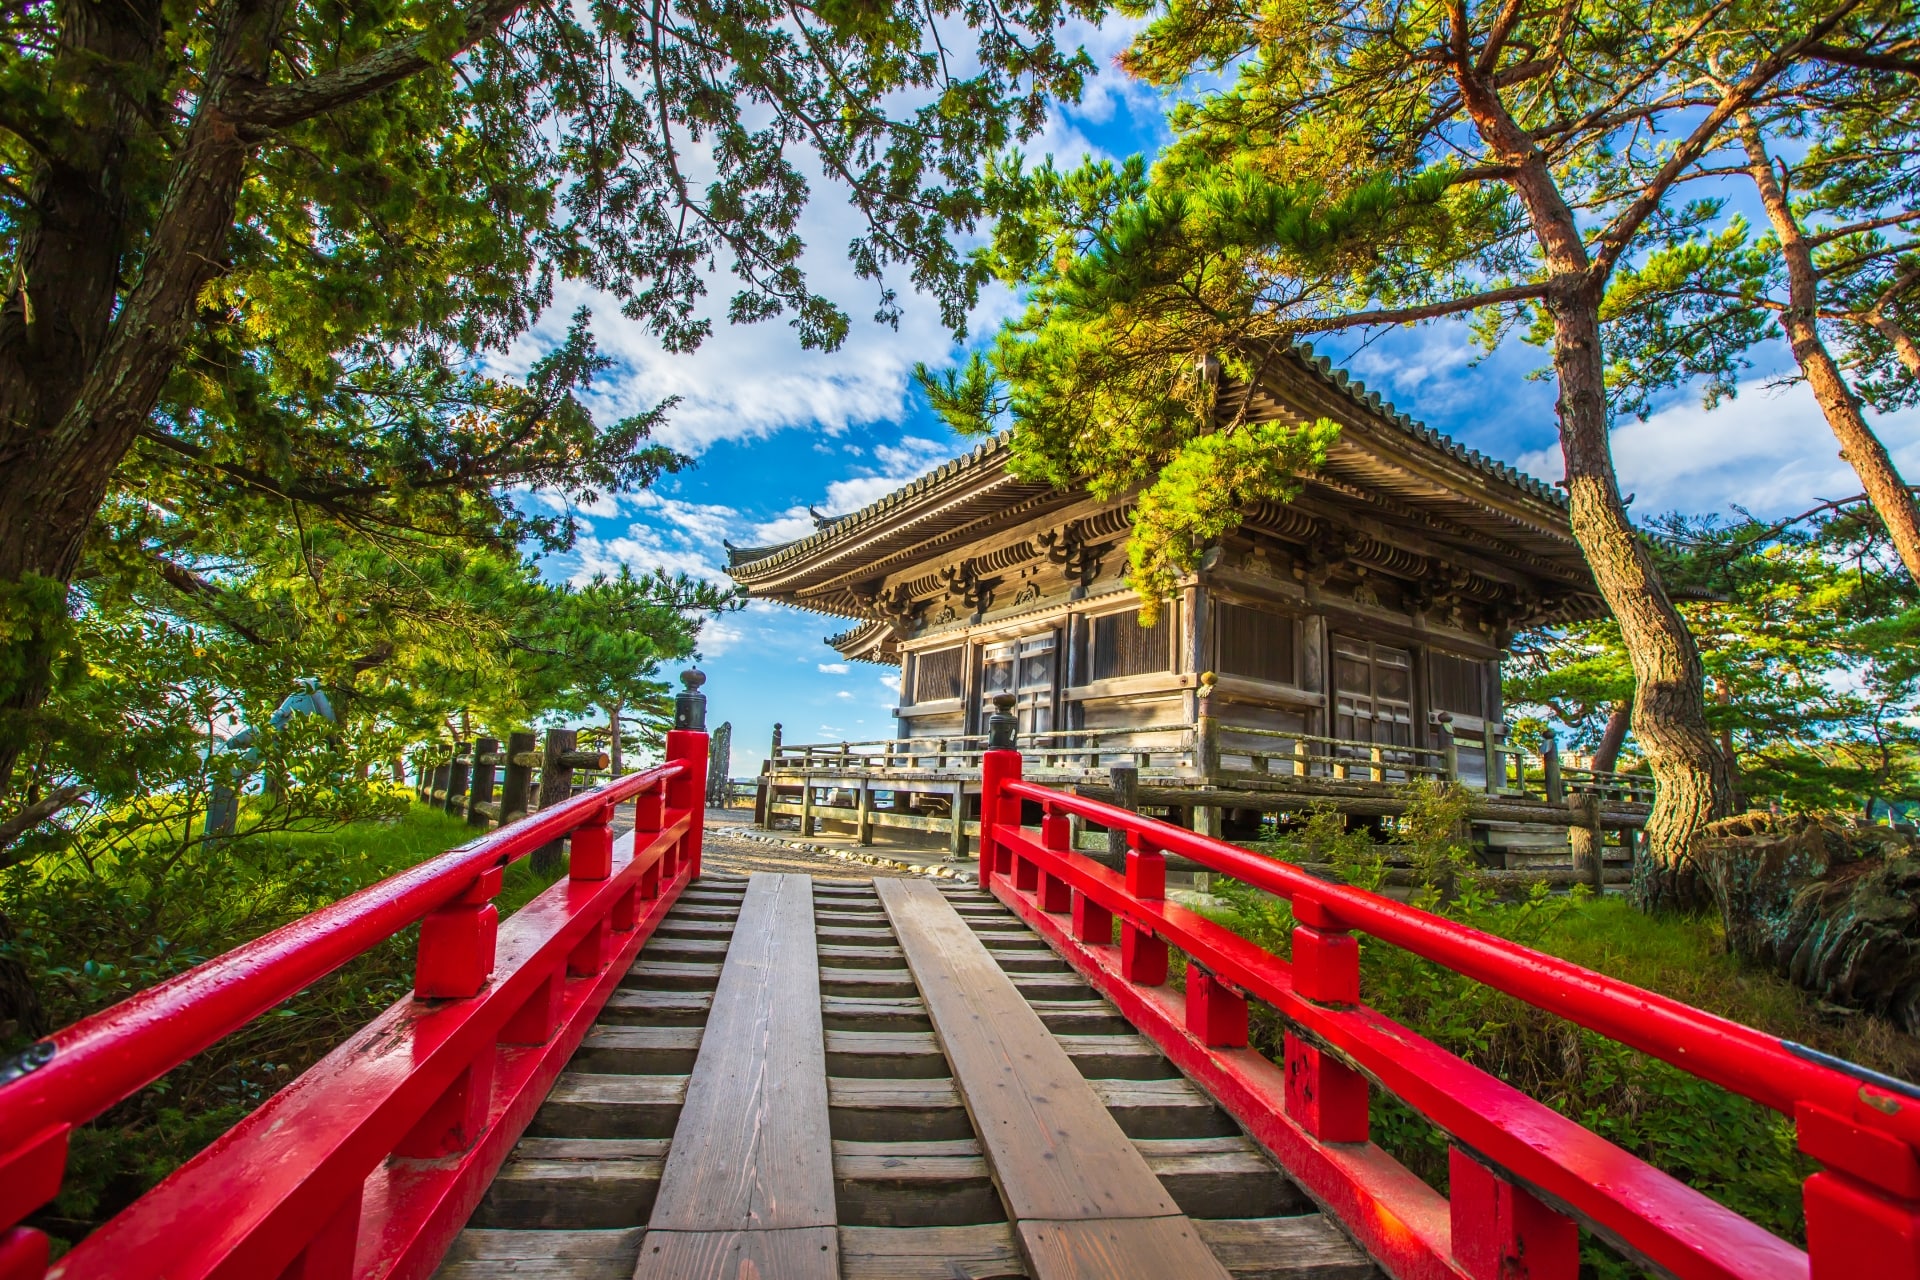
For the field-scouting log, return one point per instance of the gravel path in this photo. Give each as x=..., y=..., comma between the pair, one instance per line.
x=727, y=848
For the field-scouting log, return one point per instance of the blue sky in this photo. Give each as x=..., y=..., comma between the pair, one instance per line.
x=775, y=428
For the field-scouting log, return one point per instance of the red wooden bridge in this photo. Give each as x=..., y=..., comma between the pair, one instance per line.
x=648, y=1072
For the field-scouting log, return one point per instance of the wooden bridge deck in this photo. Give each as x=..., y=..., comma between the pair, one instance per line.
x=886, y=1079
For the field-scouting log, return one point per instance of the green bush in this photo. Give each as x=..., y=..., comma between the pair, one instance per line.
x=94, y=930
x=1738, y=1152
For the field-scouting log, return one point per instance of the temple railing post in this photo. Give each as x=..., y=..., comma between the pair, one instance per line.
x=998, y=766
x=1143, y=956
x=1501, y=1230
x=1863, y=1208
x=687, y=743
x=1327, y=1097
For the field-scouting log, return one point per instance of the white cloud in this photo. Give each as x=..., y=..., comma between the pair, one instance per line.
x=717, y=635
x=891, y=683
x=895, y=464
x=842, y=693
x=1769, y=450
x=834, y=668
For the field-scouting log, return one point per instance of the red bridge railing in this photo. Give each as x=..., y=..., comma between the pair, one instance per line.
x=1522, y=1176
x=370, y=1162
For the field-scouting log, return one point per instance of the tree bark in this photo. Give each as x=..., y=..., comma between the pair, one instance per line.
x=84, y=356
x=1613, y=737
x=613, y=739
x=1862, y=449
x=1669, y=707
x=1892, y=330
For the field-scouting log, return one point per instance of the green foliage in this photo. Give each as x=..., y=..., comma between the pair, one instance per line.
x=295, y=324
x=1429, y=837
x=99, y=929
x=1202, y=491
x=1812, y=650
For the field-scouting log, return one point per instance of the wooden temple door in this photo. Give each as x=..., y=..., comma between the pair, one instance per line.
x=1372, y=698
x=1028, y=668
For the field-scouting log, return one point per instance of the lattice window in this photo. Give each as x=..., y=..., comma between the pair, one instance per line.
x=1457, y=683
x=1254, y=643
x=938, y=674
x=1122, y=647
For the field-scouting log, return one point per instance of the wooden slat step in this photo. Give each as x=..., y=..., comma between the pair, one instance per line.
x=890, y=1055
x=542, y=1255
x=883, y=1013
x=659, y=1008
x=1302, y=1248
x=632, y=1050
x=984, y=1252
x=1082, y=1199
x=865, y=982
x=917, y=1184
x=748, y=1186
x=843, y=956
x=916, y=1055
x=857, y=935
x=715, y=930
x=1083, y=1017
x=1163, y=1109
x=1307, y=1247
x=708, y=914
x=575, y=1183
x=671, y=975
x=836, y=916
x=874, y=1013
x=586, y=1105
x=1221, y=1177
x=896, y=1110
x=906, y=1183
x=688, y=950
x=1017, y=960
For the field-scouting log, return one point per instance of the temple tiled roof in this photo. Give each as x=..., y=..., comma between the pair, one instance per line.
x=757, y=561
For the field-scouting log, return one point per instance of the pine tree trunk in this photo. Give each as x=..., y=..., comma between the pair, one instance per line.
x=1669, y=704
x=81, y=368
x=1613, y=737
x=1862, y=449
x=613, y=738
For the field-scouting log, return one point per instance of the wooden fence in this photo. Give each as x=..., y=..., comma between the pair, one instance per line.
x=491, y=785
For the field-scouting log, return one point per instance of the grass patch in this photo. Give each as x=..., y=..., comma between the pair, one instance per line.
x=95, y=931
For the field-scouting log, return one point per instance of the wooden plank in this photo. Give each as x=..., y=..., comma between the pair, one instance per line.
x=768, y=1254
x=1081, y=1196
x=982, y=1252
x=748, y=1185
x=1303, y=1248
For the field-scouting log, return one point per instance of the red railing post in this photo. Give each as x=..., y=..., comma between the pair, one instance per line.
x=536, y=1020
x=1863, y=1209
x=1143, y=957
x=1501, y=1231
x=689, y=792
x=590, y=852
x=455, y=956
x=1216, y=1013
x=997, y=768
x=23, y=1254
x=1327, y=1097
x=329, y=1255
x=29, y=1178
x=1055, y=835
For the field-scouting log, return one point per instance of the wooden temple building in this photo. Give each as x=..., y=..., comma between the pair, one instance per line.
x=1331, y=648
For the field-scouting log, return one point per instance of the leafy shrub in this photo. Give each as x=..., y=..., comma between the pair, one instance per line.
x=94, y=930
